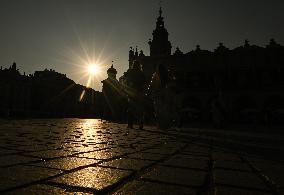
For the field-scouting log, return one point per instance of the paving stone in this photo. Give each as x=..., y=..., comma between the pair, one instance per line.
x=239, y=179
x=152, y=188
x=196, y=149
x=273, y=170
x=224, y=156
x=187, y=162
x=176, y=176
x=127, y=163
x=102, y=154
x=8, y=160
x=19, y=175
x=232, y=165
x=146, y=156
x=161, y=150
x=50, y=154
x=224, y=190
x=38, y=189
x=6, y=152
x=196, y=155
x=67, y=163
x=92, y=177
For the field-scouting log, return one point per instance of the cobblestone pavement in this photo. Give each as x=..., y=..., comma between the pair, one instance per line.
x=85, y=156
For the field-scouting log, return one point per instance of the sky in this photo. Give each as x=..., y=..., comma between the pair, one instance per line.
x=66, y=35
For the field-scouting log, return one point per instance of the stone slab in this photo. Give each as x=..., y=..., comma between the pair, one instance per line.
x=20, y=175
x=191, y=178
x=67, y=163
x=127, y=163
x=152, y=188
x=96, y=178
x=238, y=179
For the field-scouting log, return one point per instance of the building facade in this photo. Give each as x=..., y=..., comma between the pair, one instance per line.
x=15, y=92
x=114, y=99
x=248, y=80
x=45, y=93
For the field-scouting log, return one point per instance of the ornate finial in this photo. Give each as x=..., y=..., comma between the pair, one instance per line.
x=141, y=53
x=14, y=66
x=246, y=43
x=112, y=63
x=272, y=42
x=160, y=10
x=197, y=47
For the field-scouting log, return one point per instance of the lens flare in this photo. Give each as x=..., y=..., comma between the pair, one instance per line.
x=93, y=69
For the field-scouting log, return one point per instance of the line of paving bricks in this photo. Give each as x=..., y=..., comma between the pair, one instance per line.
x=224, y=162
x=203, y=188
x=268, y=181
x=210, y=187
x=45, y=181
x=120, y=183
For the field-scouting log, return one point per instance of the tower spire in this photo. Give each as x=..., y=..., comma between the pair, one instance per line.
x=160, y=45
x=160, y=8
x=160, y=19
x=160, y=11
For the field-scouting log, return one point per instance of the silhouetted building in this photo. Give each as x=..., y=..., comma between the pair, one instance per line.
x=247, y=80
x=15, y=92
x=45, y=94
x=114, y=98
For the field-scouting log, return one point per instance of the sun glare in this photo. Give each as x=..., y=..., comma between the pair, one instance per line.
x=93, y=69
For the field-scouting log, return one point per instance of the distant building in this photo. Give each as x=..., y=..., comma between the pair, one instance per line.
x=15, y=92
x=248, y=80
x=114, y=98
x=45, y=93
x=49, y=91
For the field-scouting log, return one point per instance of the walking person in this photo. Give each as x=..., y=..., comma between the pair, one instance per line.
x=218, y=111
x=163, y=97
x=135, y=89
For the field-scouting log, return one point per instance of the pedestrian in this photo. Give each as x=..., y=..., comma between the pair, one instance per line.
x=135, y=83
x=163, y=97
x=218, y=112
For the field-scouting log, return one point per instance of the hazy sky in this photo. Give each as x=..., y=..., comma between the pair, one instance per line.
x=63, y=34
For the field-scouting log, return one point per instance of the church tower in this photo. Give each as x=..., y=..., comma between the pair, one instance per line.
x=160, y=45
x=111, y=73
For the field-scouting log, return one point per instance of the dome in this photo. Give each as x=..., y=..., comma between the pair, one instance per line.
x=112, y=70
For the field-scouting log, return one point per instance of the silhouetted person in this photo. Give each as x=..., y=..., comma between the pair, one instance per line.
x=266, y=116
x=163, y=97
x=218, y=112
x=164, y=75
x=135, y=80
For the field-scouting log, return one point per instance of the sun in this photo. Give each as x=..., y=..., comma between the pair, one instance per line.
x=93, y=69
